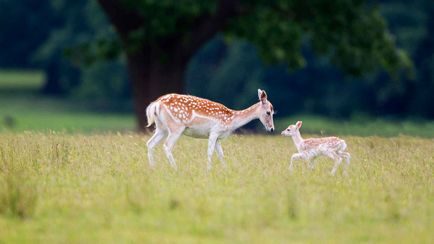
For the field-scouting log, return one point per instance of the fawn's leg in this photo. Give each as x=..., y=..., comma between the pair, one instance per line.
x=294, y=156
x=311, y=163
x=347, y=157
x=337, y=160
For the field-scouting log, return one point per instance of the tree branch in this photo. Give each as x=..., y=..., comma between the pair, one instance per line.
x=181, y=45
x=209, y=24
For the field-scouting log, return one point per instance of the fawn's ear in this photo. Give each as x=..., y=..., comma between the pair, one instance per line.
x=262, y=95
x=299, y=124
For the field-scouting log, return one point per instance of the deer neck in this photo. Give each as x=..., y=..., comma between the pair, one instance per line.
x=297, y=139
x=242, y=117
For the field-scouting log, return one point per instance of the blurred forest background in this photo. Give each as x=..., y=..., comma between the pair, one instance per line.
x=74, y=51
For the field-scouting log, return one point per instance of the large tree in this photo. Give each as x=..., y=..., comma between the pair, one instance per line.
x=159, y=37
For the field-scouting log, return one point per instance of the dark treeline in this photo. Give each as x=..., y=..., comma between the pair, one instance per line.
x=75, y=45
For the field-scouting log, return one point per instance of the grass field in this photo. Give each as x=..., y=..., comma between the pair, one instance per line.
x=23, y=108
x=21, y=79
x=98, y=188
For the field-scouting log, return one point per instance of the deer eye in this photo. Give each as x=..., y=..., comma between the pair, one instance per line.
x=268, y=113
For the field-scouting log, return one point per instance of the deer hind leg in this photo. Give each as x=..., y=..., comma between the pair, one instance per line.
x=168, y=146
x=337, y=159
x=347, y=157
x=174, y=130
x=155, y=139
x=220, y=155
x=311, y=163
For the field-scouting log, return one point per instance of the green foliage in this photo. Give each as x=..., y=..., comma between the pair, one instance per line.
x=83, y=37
x=106, y=83
x=319, y=88
x=101, y=185
x=166, y=18
x=24, y=26
x=277, y=37
x=82, y=22
x=352, y=34
x=232, y=73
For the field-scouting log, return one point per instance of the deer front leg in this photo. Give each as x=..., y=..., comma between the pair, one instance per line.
x=211, y=146
x=294, y=156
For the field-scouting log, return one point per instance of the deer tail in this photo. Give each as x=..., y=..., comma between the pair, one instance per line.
x=151, y=111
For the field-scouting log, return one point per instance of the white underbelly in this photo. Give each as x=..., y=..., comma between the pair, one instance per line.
x=198, y=131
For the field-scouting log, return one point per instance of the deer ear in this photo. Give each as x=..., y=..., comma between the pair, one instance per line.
x=262, y=95
x=299, y=124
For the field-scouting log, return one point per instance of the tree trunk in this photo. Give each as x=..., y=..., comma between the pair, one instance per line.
x=150, y=80
x=52, y=84
x=150, y=76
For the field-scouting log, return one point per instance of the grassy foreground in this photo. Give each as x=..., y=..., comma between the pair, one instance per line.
x=98, y=188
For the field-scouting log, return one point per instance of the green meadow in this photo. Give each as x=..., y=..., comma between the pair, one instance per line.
x=23, y=108
x=99, y=188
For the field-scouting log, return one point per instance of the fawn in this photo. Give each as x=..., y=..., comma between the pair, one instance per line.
x=309, y=149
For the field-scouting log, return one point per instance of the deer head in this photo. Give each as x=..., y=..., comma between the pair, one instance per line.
x=266, y=111
x=292, y=129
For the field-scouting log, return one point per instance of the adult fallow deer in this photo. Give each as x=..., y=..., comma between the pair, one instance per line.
x=175, y=114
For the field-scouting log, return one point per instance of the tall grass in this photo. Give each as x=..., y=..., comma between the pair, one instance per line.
x=18, y=193
x=99, y=188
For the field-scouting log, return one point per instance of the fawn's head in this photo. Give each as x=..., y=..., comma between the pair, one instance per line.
x=292, y=129
x=266, y=111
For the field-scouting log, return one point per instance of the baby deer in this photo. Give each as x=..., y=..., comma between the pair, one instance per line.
x=309, y=149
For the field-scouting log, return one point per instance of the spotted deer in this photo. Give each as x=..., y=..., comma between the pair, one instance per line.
x=175, y=114
x=309, y=149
